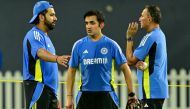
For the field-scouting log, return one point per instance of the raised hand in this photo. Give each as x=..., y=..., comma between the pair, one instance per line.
x=132, y=29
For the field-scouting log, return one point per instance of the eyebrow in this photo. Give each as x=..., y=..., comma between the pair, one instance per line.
x=89, y=21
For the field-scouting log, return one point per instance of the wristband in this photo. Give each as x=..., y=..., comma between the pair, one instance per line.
x=130, y=39
x=131, y=94
x=57, y=58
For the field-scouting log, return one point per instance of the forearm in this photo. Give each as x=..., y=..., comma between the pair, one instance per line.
x=131, y=32
x=46, y=56
x=131, y=59
x=128, y=77
x=129, y=51
x=70, y=80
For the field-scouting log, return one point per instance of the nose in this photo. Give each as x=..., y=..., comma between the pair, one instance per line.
x=139, y=19
x=55, y=18
x=88, y=26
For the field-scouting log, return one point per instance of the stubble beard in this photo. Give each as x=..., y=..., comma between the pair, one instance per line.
x=49, y=25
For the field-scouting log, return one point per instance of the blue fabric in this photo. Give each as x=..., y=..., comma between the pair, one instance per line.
x=95, y=59
x=114, y=97
x=37, y=93
x=78, y=97
x=158, y=77
x=39, y=39
x=39, y=7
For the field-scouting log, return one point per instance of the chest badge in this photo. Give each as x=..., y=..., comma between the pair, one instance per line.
x=104, y=50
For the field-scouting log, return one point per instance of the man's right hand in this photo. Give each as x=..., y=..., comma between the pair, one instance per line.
x=63, y=60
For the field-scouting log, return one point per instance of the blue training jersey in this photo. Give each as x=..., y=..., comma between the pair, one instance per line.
x=95, y=60
x=153, y=81
x=37, y=69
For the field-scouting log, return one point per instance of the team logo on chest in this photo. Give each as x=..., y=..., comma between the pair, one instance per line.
x=104, y=50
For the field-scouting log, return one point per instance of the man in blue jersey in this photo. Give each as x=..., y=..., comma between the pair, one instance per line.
x=95, y=55
x=40, y=69
x=150, y=58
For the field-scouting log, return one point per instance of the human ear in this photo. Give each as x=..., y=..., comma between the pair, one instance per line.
x=102, y=25
x=41, y=17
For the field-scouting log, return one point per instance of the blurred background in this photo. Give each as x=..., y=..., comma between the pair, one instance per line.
x=15, y=15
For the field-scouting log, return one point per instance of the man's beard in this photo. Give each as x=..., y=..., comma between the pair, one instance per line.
x=50, y=25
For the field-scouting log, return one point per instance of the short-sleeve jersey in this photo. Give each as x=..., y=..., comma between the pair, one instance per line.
x=95, y=60
x=35, y=68
x=153, y=81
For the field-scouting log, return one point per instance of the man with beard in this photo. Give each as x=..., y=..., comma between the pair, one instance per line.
x=40, y=69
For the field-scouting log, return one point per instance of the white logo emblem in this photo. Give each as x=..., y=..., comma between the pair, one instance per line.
x=146, y=105
x=37, y=35
x=85, y=52
x=104, y=51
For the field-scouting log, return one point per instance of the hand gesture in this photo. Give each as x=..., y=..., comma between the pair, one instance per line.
x=63, y=60
x=132, y=29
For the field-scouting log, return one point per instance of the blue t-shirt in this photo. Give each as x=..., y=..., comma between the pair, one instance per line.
x=153, y=81
x=95, y=60
x=37, y=69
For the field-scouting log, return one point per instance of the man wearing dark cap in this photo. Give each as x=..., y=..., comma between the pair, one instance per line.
x=40, y=69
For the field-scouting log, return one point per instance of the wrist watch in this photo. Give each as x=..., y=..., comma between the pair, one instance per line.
x=131, y=94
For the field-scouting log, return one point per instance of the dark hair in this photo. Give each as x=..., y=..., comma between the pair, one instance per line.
x=36, y=21
x=155, y=13
x=98, y=14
